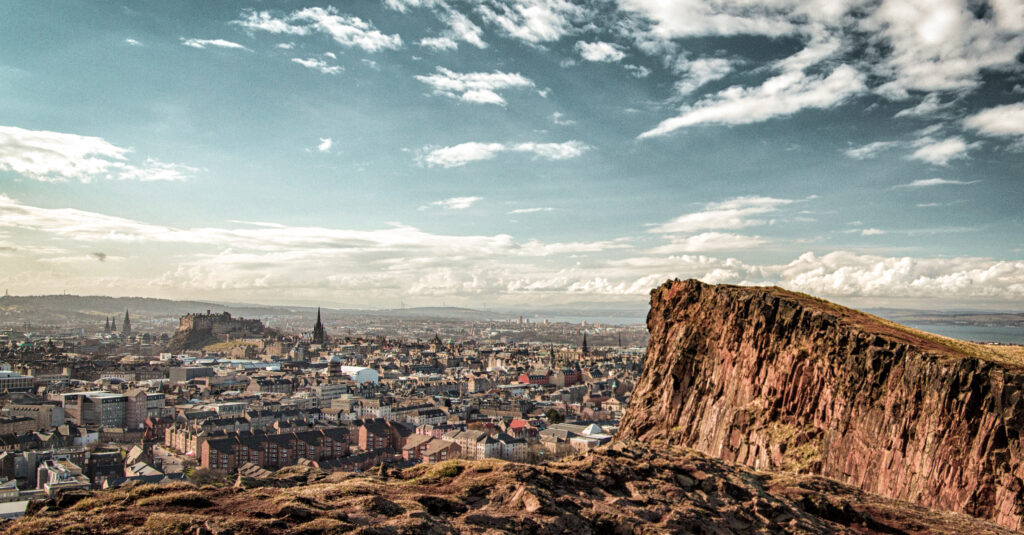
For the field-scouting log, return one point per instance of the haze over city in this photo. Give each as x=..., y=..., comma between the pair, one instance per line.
x=512, y=152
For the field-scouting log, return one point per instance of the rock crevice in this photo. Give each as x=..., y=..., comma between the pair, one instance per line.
x=779, y=380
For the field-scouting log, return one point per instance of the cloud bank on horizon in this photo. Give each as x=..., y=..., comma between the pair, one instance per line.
x=515, y=151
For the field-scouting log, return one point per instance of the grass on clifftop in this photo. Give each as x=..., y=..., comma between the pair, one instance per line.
x=1009, y=356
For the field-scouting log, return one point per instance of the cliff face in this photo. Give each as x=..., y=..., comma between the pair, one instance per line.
x=196, y=331
x=623, y=488
x=779, y=380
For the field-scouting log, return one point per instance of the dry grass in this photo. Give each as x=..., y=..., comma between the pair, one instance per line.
x=184, y=498
x=1010, y=356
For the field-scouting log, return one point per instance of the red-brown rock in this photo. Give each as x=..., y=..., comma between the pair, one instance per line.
x=779, y=380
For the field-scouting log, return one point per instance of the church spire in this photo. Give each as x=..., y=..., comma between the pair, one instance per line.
x=319, y=337
x=126, y=325
x=586, y=350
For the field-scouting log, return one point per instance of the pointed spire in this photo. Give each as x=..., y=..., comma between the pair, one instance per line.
x=126, y=325
x=586, y=350
x=319, y=337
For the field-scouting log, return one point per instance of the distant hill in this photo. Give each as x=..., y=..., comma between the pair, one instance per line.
x=441, y=313
x=79, y=309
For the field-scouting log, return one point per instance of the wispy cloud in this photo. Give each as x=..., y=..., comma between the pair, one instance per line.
x=459, y=27
x=940, y=152
x=600, y=51
x=217, y=43
x=58, y=157
x=318, y=64
x=530, y=210
x=782, y=95
x=325, y=144
x=638, y=71
x=132, y=42
x=929, y=105
x=475, y=87
x=737, y=213
x=463, y=153
x=930, y=182
x=532, y=21
x=709, y=241
x=453, y=203
x=559, y=119
x=346, y=30
x=871, y=150
x=999, y=121
x=699, y=72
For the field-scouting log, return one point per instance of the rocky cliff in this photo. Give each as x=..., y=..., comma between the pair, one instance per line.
x=779, y=380
x=623, y=488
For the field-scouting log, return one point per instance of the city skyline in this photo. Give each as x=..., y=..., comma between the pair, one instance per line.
x=513, y=152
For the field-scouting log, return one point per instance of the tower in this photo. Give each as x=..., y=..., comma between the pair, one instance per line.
x=318, y=330
x=106, y=328
x=113, y=324
x=126, y=325
x=584, y=347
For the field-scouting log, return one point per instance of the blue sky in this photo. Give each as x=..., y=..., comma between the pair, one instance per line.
x=513, y=152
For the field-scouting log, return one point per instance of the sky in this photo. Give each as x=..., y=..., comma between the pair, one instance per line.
x=513, y=153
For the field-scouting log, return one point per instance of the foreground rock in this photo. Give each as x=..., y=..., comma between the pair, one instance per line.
x=779, y=380
x=621, y=488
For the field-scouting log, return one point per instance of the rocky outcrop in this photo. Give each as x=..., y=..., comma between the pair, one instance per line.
x=196, y=331
x=623, y=488
x=779, y=380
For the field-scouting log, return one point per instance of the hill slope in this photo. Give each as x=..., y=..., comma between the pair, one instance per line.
x=780, y=380
x=625, y=488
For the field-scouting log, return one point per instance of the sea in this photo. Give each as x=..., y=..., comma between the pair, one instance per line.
x=975, y=333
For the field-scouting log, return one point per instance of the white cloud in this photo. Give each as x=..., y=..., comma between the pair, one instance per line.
x=599, y=51
x=709, y=241
x=453, y=203
x=941, y=45
x=459, y=26
x=318, y=64
x=940, y=152
x=219, y=43
x=846, y=274
x=532, y=21
x=285, y=46
x=638, y=71
x=917, y=45
x=132, y=42
x=559, y=119
x=1006, y=120
x=476, y=87
x=346, y=30
x=439, y=43
x=690, y=18
x=737, y=213
x=929, y=105
x=463, y=153
x=325, y=144
x=530, y=210
x=929, y=182
x=699, y=72
x=402, y=262
x=57, y=157
x=871, y=150
x=781, y=95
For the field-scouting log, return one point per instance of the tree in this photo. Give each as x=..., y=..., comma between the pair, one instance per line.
x=554, y=416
